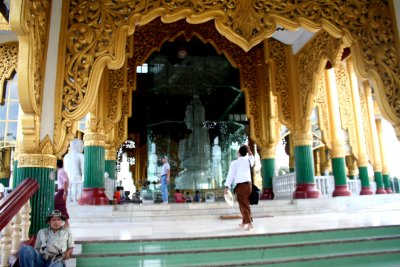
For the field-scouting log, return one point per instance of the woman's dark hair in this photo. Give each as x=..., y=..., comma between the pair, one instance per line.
x=60, y=163
x=243, y=150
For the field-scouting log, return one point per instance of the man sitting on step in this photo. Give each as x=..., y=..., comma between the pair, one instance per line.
x=53, y=245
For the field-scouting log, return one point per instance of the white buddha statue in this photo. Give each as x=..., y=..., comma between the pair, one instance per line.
x=74, y=166
x=124, y=176
x=216, y=163
x=194, y=150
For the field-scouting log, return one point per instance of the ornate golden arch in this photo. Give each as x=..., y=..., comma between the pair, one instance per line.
x=97, y=32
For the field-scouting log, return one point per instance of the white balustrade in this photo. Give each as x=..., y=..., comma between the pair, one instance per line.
x=6, y=241
x=14, y=233
x=284, y=186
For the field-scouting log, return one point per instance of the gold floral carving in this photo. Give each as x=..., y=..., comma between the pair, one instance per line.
x=302, y=138
x=110, y=153
x=97, y=33
x=118, y=85
x=366, y=123
x=268, y=152
x=321, y=103
x=8, y=64
x=277, y=59
x=311, y=60
x=346, y=105
x=37, y=161
x=94, y=139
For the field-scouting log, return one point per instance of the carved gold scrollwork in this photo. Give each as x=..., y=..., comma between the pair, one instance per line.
x=366, y=123
x=346, y=105
x=323, y=117
x=311, y=60
x=277, y=59
x=97, y=33
x=8, y=64
x=118, y=79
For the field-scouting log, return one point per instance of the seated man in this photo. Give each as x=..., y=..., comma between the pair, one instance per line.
x=178, y=197
x=188, y=197
x=53, y=245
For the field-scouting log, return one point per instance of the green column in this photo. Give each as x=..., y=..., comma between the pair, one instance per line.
x=304, y=166
x=5, y=181
x=43, y=201
x=110, y=168
x=94, y=167
x=365, y=185
x=267, y=172
x=386, y=182
x=339, y=173
x=93, y=185
x=379, y=183
x=15, y=173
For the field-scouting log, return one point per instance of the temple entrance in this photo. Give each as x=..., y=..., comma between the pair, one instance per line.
x=188, y=105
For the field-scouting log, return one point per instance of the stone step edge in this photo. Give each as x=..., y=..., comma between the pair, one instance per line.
x=250, y=235
x=252, y=248
x=308, y=259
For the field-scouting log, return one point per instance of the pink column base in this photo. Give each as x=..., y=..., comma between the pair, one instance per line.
x=306, y=191
x=380, y=191
x=93, y=196
x=366, y=190
x=267, y=194
x=388, y=191
x=341, y=191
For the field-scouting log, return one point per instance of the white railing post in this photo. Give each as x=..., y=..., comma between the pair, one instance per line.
x=16, y=233
x=6, y=245
x=26, y=221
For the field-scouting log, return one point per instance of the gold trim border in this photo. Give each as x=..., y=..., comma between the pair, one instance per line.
x=37, y=161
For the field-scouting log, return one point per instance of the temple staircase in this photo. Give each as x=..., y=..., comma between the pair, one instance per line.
x=362, y=246
x=375, y=246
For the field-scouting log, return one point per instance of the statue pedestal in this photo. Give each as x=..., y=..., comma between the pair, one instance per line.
x=93, y=196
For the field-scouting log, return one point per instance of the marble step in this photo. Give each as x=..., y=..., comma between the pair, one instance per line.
x=378, y=245
x=198, y=211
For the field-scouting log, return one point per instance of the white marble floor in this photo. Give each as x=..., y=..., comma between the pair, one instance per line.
x=388, y=214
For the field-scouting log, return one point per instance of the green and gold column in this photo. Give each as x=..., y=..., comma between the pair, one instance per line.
x=42, y=168
x=376, y=157
x=337, y=137
x=362, y=157
x=304, y=166
x=5, y=164
x=93, y=185
x=110, y=161
x=385, y=167
x=267, y=171
x=291, y=154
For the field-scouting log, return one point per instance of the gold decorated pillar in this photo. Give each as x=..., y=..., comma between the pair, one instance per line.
x=362, y=157
x=385, y=167
x=94, y=150
x=376, y=154
x=337, y=137
x=264, y=122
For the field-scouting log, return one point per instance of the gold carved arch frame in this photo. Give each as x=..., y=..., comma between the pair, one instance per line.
x=96, y=34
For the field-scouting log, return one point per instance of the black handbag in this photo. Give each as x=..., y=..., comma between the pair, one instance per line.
x=255, y=191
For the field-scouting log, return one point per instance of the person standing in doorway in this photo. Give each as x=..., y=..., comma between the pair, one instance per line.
x=60, y=198
x=240, y=174
x=165, y=176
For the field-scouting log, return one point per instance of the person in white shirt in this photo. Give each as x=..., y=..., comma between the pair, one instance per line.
x=239, y=173
x=165, y=175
